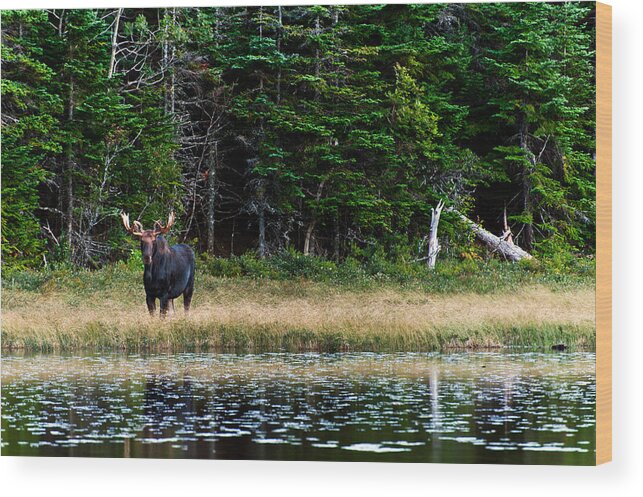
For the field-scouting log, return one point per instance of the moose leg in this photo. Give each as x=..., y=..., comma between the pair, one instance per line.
x=172, y=306
x=187, y=299
x=165, y=304
x=187, y=294
x=151, y=304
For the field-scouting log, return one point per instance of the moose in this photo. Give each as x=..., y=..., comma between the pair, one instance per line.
x=169, y=271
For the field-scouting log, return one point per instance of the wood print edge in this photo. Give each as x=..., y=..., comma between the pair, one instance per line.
x=603, y=233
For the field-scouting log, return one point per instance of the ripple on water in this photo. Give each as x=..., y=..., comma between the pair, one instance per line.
x=426, y=407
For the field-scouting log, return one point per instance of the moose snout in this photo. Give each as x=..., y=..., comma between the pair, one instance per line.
x=147, y=259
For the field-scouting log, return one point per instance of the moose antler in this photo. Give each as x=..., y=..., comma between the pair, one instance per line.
x=137, y=230
x=159, y=228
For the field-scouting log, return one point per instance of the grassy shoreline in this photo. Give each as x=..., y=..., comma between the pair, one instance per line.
x=105, y=310
x=222, y=338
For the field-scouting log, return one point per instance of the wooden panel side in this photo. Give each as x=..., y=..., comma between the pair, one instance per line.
x=603, y=233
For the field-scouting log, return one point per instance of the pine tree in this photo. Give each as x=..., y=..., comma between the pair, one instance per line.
x=540, y=72
x=29, y=135
x=330, y=130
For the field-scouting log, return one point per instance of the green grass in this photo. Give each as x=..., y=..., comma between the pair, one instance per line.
x=184, y=335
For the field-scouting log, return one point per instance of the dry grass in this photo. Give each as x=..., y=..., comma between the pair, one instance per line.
x=299, y=316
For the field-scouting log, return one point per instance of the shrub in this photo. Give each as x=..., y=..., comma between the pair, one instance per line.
x=292, y=264
x=26, y=279
x=450, y=274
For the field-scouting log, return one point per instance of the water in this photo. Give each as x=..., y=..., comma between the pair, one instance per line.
x=530, y=408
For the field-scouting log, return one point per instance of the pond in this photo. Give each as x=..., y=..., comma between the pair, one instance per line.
x=465, y=407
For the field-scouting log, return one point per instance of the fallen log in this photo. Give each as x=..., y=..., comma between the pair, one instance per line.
x=505, y=247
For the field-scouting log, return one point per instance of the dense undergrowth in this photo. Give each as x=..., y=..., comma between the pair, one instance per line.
x=450, y=275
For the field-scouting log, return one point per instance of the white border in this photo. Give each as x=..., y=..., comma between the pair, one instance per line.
x=623, y=477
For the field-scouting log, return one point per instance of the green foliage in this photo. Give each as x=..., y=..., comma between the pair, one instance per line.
x=365, y=270
x=331, y=129
x=29, y=135
x=539, y=60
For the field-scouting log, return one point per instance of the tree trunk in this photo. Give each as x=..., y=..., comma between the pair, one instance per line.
x=261, y=38
x=69, y=171
x=70, y=203
x=506, y=230
x=165, y=63
x=494, y=243
x=309, y=235
x=112, y=59
x=336, y=240
x=313, y=222
x=317, y=32
x=528, y=231
x=172, y=72
x=234, y=225
x=279, y=35
x=212, y=172
x=169, y=51
x=262, y=231
x=434, y=246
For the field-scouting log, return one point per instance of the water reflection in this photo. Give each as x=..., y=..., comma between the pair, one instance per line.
x=534, y=408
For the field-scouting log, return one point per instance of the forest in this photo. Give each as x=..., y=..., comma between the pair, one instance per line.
x=327, y=131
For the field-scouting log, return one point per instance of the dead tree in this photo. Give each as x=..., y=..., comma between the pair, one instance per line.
x=505, y=247
x=434, y=246
x=507, y=235
x=212, y=194
x=112, y=58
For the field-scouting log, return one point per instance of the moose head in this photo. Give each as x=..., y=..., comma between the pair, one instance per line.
x=151, y=243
